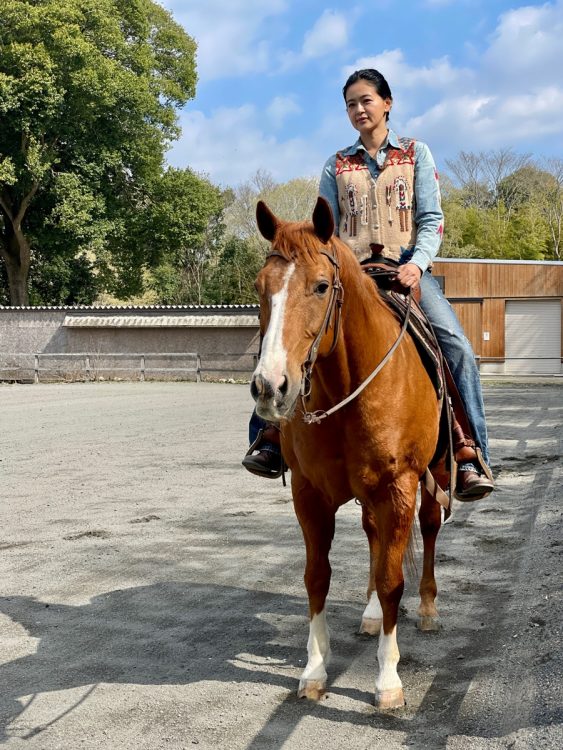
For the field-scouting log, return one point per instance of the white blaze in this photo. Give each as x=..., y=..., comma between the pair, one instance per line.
x=273, y=360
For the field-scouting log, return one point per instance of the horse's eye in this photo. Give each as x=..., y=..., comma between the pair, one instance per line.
x=322, y=288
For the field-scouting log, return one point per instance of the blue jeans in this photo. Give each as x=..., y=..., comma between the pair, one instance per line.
x=458, y=354
x=255, y=425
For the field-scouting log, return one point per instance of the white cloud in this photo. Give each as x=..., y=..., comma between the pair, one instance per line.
x=488, y=122
x=231, y=145
x=514, y=94
x=439, y=75
x=525, y=49
x=232, y=37
x=329, y=33
x=281, y=108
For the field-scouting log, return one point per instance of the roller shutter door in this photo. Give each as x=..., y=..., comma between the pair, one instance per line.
x=533, y=336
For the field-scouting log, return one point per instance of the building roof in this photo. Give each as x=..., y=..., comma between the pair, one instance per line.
x=200, y=309
x=160, y=321
x=501, y=262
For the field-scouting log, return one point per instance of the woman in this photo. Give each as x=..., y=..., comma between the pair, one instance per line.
x=383, y=190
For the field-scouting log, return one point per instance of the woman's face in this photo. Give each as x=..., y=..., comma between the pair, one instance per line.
x=366, y=109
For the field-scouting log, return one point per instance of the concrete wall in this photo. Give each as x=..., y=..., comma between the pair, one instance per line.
x=226, y=350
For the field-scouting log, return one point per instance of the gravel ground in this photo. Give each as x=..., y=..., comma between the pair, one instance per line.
x=151, y=591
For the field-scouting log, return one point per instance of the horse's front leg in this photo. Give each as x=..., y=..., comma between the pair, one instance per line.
x=316, y=519
x=393, y=514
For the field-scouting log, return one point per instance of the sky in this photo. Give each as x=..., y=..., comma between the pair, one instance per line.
x=466, y=75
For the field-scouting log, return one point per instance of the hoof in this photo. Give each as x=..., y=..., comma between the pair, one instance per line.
x=370, y=626
x=313, y=690
x=429, y=624
x=388, y=699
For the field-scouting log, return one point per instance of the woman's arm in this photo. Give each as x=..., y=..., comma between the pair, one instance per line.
x=428, y=211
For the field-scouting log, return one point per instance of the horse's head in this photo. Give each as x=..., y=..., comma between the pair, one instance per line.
x=298, y=287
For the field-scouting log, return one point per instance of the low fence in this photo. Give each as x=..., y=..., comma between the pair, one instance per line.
x=56, y=366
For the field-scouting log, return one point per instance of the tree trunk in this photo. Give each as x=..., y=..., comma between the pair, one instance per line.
x=16, y=253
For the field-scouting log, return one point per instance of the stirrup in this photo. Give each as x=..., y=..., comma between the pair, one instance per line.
x=483, y=465
x=256, y=446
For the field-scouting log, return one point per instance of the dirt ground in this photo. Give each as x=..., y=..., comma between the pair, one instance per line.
x=151, y=591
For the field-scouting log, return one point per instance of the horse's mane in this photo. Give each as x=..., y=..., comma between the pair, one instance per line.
x=294, y=239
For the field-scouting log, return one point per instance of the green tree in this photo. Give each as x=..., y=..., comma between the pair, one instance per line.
x=504, y=206
x=553, y=208
x=88, y=97
x=233, y=272
x=528, y=234
x=181, y=232
x=232, y=279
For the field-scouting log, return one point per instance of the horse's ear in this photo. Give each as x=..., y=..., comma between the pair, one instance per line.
x=267, y=222
x=323, y=220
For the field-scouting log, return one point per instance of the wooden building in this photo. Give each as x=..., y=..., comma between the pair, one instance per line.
x=511, y=312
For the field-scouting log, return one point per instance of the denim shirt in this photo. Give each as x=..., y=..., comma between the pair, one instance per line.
x=428, y=215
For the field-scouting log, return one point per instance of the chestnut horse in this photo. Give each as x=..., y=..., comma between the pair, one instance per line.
x=325, y=329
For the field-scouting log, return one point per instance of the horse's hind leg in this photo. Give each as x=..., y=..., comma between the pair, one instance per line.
x=317, y=523
x=372, y=616
x=430, y=521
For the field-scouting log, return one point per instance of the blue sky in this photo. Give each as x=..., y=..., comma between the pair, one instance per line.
x=470, y=75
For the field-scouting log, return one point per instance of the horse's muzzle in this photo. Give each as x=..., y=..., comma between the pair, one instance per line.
x=272, y=401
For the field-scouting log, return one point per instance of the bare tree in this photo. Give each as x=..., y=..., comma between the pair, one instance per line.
x=468, y=170
x=497, y=166
x=481, y=176
x=292, y=201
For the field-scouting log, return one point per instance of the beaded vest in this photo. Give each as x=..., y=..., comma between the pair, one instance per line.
x=379, y=211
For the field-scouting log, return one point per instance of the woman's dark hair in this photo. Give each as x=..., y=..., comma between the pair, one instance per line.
x=374, y=77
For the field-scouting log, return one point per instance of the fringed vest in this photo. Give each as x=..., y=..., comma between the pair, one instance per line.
x=377, y=211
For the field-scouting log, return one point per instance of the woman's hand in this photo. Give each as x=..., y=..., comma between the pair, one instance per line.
x=409, y=275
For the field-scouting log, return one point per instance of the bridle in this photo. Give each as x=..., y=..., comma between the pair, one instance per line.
x=334, y=307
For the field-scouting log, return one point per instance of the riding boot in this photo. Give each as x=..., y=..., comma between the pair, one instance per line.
x=474, y=478
x=263, y=457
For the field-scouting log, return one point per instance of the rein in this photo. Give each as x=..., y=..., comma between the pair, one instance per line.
x=316, y=417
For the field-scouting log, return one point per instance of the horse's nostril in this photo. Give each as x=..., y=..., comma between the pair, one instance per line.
x=254, y=389
x=283, y=387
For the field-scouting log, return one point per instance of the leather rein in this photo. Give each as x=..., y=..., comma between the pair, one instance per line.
x=334, y=307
